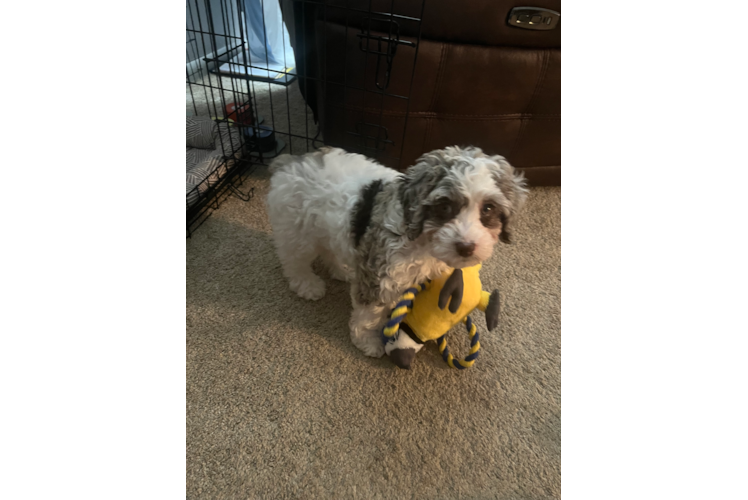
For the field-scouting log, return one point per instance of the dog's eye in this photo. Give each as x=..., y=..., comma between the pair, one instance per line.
x=443, y=210
x=490, y=215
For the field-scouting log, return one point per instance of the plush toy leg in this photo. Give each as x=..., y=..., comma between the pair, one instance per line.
x=402, y=350
x=452, y=289
x=492, y=311
x=400, y=343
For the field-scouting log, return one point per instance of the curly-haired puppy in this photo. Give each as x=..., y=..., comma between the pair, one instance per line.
x=384, y=231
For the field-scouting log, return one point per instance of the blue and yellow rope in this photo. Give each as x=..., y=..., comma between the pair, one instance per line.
x=469, y=360
x=405, y=305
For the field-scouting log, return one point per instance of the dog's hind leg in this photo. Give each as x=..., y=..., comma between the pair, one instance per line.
x=338, y=270
x=296, y=258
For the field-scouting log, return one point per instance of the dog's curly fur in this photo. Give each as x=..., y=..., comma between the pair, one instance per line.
x=383, y=231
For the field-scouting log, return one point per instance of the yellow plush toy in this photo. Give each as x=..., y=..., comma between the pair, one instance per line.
x=422, y=315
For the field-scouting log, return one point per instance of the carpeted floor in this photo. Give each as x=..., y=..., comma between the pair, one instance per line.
x=281, y=405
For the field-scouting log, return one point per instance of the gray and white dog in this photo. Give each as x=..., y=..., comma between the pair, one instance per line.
x=383, y=231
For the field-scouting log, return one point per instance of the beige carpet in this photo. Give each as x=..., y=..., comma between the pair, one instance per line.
x=281, y=405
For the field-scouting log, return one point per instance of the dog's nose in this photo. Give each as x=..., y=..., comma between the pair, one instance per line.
x=465, y=249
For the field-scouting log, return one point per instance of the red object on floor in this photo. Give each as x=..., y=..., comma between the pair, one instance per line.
x=242, y=115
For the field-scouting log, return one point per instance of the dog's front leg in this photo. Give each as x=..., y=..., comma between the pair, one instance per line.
x=368, y=319
x=366, y=323
x=373, y=297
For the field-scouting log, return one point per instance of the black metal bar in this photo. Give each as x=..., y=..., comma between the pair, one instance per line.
x=218, y=57
x=345, y=61
x=211, y=193
x=216, y=88
x=387, y=39
x=229, y=27
x=388, y=53
x=412, y=78
x=387, y=81
x=209, y=190
x=305, y=137
x=196, y=54
x=306, y=82
x=310, y=78
x=267, y=62
x=209, y=33
x=197, y=50
x=239, y=194
x=225, y=19
x=372, y=135
x=191, y=59
x=205, y=52
x=192, y=96
x=324, y=69
x=245, y=54
x=239, y=94
x=236, y=17
x=222, y=97
x=285, y=66
x=366, y=68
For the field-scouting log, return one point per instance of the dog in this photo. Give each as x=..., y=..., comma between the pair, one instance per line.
x=383, y=231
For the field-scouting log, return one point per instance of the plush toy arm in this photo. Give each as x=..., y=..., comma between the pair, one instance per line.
x=453, y=289
x=489, y=303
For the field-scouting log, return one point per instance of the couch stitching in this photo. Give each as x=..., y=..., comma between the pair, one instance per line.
x=450, y=116
x=439, y=75
x=538, y=86
x=429, y=121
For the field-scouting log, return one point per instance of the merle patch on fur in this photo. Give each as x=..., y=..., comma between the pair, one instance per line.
x=505, y=236
x=361, y=216
x=419, y=181
x=491, y=215
x=446, y=209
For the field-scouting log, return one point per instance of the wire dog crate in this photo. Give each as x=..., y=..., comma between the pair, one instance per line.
x=268, y=77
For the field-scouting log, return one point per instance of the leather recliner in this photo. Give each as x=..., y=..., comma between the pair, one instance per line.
x=473, y=80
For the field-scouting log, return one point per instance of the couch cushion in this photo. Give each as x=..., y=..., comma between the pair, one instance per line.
x=506, y=100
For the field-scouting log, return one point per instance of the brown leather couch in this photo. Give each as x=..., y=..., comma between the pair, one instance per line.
x=477, y=80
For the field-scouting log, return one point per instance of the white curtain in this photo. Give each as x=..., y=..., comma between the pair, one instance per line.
x=268, y=43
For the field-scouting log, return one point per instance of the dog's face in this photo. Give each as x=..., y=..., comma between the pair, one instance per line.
x=462, y=202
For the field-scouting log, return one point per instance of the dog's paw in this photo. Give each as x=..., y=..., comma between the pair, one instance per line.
x=375, y=351
x=338, y=274
x=310, y=289
x=369, y=346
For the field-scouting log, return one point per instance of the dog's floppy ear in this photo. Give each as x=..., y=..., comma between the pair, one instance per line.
x=506, y=233
x=514, y=187
x=419, y=181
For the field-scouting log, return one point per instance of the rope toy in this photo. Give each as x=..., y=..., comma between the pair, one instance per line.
x=474, y=348
x=421, y=315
